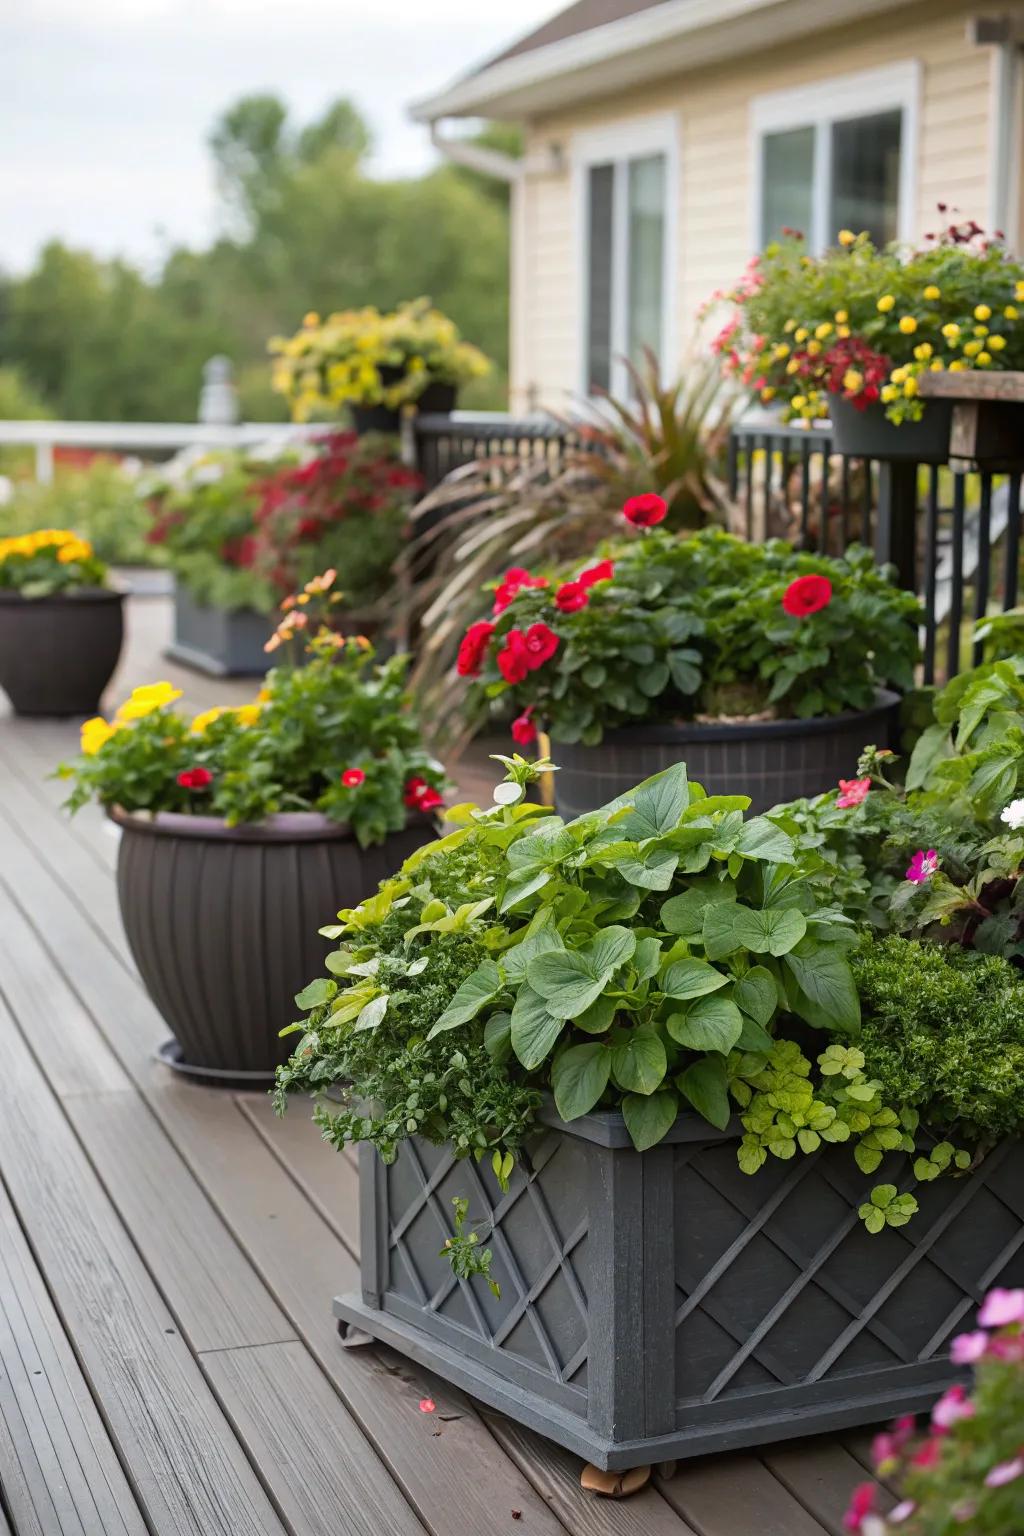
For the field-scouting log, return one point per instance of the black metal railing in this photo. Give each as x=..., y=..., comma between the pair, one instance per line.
x=443, y=443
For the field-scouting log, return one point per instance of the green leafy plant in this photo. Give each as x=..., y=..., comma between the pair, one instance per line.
x=335, y=735
x=48, y=561
x=462, y=1249
x=100, y=502
x=866, y=324
x=666, y=629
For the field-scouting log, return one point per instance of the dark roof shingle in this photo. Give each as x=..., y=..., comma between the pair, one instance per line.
x=584, y=16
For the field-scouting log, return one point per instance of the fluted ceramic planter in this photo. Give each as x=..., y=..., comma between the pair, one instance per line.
x=57, y=654
x=222, y=923
x=772, y=761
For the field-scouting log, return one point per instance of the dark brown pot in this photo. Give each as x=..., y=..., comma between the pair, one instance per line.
x=438, y=399
x=772, y=761
x=57, y=653
x=869, y=434
x=222, y=922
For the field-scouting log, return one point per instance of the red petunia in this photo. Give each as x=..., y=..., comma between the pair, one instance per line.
x=473, y=648
x=807, y=595
x=604, y=570
x=429, y=800
x=513, y=581
x=646, y=510
x=571, y=597
x=195, y=778
x=541, y=644
x=523, y=729
x=514, y=658
x=420, y=796
x=353, y=777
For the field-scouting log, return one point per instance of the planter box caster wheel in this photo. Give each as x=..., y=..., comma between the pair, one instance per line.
x=351, y=1336
x=666, y=1470
x=614, y=1485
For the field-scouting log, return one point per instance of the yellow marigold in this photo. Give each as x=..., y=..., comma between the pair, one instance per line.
x=908, y=325
x=767, y=393
x=957, y=365
x=846, y=237
x=311, y=319
x=899, y=374
x=207, y=717
x=146, y=699
x=823, y=330
x=841, y=316
x=843, y=331
x=798, y=402
x=951, y=331
x=1018, y=293
x=853, y=380
x=801, y=334
x=1011, y=312
x=885, y=303
x=972, y=348
x=792, y=366
x=782, y=350
x=932, y=292
x=923, y=351
x=910, y=386
x=982, y=312
x=813, y=348
x=789, y=326
x=889, y=393
x=983, y=359
x=248, y=714
x=996, y=343
x=981, y=330
x=95, y=733
x=263, y=695
x=936, y=365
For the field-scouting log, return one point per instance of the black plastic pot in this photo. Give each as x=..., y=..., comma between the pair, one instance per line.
x=869, y=434
x=222, y=923
x=663, y=1304
x=437, y=399
x=769, y=760
x=57, y=653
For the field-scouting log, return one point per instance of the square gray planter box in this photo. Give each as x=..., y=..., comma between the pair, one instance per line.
x=663, y=1304
x=218, y=641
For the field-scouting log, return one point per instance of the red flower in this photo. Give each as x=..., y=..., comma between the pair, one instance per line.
x=644, y=511
x=353, y=777
x=861, y=1505
x=604, y=570
x=514, y=658
x=523, y=729
x=541, y=645
x=419, y=796
x=195, y=778
x=571, y=597
x=512, y=582
x=429, y=800
x=852, y=792
x=806, y=595
x=474, y=648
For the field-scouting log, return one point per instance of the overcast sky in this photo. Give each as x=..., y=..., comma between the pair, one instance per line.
x=105, y=104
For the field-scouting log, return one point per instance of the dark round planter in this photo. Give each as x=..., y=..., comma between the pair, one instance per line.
x=869, y=434
x=57, y=653
x=437, y=399
x=222, y=923
x=770, y=760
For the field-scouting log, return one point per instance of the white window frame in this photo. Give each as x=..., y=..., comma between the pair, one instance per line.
x=617, y=144
x=818, y=106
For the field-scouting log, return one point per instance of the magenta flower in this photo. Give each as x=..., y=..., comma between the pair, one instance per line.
x=1005, y=1472
x=966, y=1348
x=951, y=1407
x=922, y=866
x=1001, y=1307
x=861, y=1505
x=902, y=1512
x=852, y=792
x=888, y=1447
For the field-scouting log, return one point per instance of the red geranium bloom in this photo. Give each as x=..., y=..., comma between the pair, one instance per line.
x=541, y=644
x=514, y=658
x=646, y=510
x=413, y=790
x=195, y=778
x=571, y=597
x=353, y=777
x=512, y=582
x=474, y=648
x=429, y=800
x=806, y=595
x=523, y=729
x=604, y=570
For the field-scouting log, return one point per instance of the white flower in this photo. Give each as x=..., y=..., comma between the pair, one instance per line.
x=1014, y=815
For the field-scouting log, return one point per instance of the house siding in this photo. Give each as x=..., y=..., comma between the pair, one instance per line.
x=715, y=185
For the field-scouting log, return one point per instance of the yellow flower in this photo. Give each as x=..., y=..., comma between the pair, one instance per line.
x=841, y=317
x=899, y=374
x=311, y=319
x=792, y=366
x=981, y=330
x=923, y=351
x=936, y=365
x=957, y=365
x=842, y=330
x=951, y=332
x=996, y=343
x=885, y=303
x=248, y=714
x=983, y=359
x=798, y=402
x=972, y=348
x=1018, y=293
x=801, y=334
x=1011, y=312
x=263, y=695
x=982, y=312
x=813, y=348
x=910, y=387
x=146, y=699
x=207, y=717
x=782, y=350
x=889, y=393
x=789, y=326
x=846, y=237
x=767, y=393
x=95, y=733
x=932, y=292
x=823, y=330
x=853, y=380
x=908, y=325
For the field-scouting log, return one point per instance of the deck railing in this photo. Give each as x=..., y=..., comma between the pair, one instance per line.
x=440, y=444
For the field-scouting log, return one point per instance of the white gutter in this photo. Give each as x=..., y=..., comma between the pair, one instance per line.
x=476, y=157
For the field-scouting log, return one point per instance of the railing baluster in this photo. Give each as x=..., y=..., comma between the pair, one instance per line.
x=1011, y=577
x=844, y=496
x=805, y=491
x=748, y=441
x=984, y=561
x=867, y=497
x=931, y=560
x=956, y=599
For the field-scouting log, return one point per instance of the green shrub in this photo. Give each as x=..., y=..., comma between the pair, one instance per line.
x=100, y=503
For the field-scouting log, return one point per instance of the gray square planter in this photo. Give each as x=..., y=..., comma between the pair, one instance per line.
x=663, y=1304
x=218, y=641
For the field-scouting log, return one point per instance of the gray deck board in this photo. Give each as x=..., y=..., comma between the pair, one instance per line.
x=171, y=1252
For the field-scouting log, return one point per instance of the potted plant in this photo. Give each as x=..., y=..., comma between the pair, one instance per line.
x=635, y=1168
x=375, y=365
x=762, y=668
x=61, y=623
x=870, y=338
x=241, y=530
x=242, y=828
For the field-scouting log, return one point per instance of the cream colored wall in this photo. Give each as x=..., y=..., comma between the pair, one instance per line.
x=712, y=107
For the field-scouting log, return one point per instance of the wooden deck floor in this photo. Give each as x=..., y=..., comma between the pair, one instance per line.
x=168, y=1255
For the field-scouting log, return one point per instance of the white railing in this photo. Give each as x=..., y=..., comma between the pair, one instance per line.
x=139, y=437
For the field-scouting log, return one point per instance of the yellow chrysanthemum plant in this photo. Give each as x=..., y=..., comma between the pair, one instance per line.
x=866, y=324
x=49, y=561
x=362, y=357
x=335, y=735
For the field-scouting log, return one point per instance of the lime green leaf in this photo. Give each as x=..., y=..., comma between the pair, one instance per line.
x=317, y=993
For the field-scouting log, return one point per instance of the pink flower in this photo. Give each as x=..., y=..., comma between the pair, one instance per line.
x=926, y=1455
x=523, y=729
x=604, y=570
x=1005, y=1472
x=861, y=1505
x=852, y=792
x=1001, y=1307
x=951, y=1407
x=902, y=1512
x=966, y=1348
x=922, y=866
x=427, y=1405
x=571, y=597
x=887, y=1448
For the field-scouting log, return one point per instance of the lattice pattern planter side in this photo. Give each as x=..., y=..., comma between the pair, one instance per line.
x=664, y=1304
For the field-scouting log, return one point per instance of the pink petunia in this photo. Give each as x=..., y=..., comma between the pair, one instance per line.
x=1005, y=1472
x=862, y=1504
x=922, y=866
x=966, y=1348
x=852, y=792
x=1002, y=1307
x=902, y=1512
x=951, y=1407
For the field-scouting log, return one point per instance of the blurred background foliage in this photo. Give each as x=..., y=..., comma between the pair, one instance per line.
x=304, y=227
